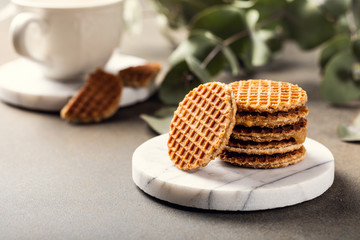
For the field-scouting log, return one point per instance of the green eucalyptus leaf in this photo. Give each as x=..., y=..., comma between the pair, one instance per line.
x=338, y=86
x=231, y=59
x=160, y=121
x=215, y=19
x=335, y=8
x=356, y=72
x=342, y=26
x=260, y=53
x=270, y=13
x=356, y=121
x=226, y=22
x=349, y=133
x=306, y=24
x=332, y=47
x=252, y=16
x=180, y=12
x=199, y=45
x=196, y=67
x=164, y=112
x=177, y=83
x=159, y=125
x=272, y=39
x=207, y=34
x=355, y=11
x=355, y=45
x=243, y=4
x=227, y=52
x=275, y=44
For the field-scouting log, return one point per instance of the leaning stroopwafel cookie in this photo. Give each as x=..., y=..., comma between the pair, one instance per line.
x=98, y=99
x=264, y=161
x=270, y=120
x=201, y=126
x=268, y=148
x=267, y=96
x=258, y=134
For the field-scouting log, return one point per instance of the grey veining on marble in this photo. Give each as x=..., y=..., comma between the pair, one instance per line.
x=22, y=84
x=221, y=186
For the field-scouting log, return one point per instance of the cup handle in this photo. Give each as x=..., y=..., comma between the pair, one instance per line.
x=18, y=33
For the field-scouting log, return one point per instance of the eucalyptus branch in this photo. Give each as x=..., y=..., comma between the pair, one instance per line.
x=238, y=36
x=211, y=56
x=304, y=23
x=270, y=20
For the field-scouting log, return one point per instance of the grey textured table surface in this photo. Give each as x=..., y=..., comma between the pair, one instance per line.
x=63, y=181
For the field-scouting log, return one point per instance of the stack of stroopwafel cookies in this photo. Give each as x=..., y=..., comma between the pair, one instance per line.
x=270, y=124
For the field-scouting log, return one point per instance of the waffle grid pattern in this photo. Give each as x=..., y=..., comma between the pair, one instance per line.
x=92, y=102
x=267, y=95
x=198, y=126
x=98, y=99
x=139, y=76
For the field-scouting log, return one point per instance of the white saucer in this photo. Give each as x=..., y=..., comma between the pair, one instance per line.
x=23, y=84
x=222, y=186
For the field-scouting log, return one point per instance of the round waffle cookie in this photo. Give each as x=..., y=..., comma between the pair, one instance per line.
x=270, y=120
x=201, y=126
x=98, y=99
x=268, y=148
x=267, y=96
x=258, y=134
x=264, y=161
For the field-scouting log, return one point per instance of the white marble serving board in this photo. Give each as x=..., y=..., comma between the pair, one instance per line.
x=23, y=84
x=222, y=186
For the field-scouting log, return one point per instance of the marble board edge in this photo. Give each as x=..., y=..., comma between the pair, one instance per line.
x=142, y=181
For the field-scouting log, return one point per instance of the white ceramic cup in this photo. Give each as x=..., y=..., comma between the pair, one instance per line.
x=67, y=38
